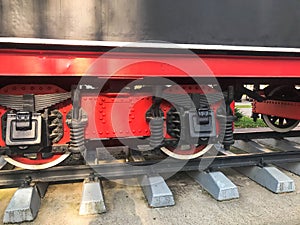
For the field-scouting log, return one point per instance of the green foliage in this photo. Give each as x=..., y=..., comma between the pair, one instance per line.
x=243, y=106
x=238, y=114
x=246, y=122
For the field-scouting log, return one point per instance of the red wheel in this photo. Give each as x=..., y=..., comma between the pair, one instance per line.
x=61, y=109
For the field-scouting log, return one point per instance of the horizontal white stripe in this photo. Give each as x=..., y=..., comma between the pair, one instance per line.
x=161, y=45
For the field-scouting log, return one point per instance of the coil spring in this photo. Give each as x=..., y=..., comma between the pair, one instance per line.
x=173, y=123
x=77, y=127
x=228, y=132
x=157, y=134
x=76, y=137
x=55, y=126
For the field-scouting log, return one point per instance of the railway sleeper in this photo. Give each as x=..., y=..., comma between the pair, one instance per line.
x=277, y=144
x=25, y=203
x=92, y=201
x=154, y=186
x=267, y=176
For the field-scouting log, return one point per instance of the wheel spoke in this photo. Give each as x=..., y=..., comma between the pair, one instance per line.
x=281, y=121
x=274, y=119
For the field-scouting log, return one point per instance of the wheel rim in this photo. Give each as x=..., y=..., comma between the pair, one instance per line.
x=280, y=124
x=193, y=153
x=2, y=162
x=36, y=164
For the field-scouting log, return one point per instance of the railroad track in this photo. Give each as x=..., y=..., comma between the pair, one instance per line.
x=254, y=154
x=116, y=169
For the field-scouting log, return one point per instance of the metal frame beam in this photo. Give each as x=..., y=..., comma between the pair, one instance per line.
x=283, y=109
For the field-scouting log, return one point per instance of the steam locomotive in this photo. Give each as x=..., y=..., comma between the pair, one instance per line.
x=173, y=97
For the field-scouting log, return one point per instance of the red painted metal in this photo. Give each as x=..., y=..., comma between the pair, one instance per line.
x=285, y=109
x=193, y=150
x=116, y=116
x=112, y=115
x=64, y=63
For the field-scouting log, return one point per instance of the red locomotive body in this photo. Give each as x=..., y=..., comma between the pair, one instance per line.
x=59, y=96
x=148, y=96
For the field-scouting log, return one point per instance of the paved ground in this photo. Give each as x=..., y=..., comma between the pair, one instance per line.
x=127, y=205
x=245, y=111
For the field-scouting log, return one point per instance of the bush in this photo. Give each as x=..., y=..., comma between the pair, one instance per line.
x=246, y=122
x=238, y=114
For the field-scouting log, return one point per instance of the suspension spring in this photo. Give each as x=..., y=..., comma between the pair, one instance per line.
x=157, y=132
x=228, y=132
x=77, y=127
x=56, y=130
x=173, y=123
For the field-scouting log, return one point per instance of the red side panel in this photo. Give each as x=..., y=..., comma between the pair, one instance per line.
x=113, y=115
x=290, y=110
x=58, y=63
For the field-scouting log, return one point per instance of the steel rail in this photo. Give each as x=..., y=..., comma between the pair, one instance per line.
x=249, y=135
x=14, y=178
